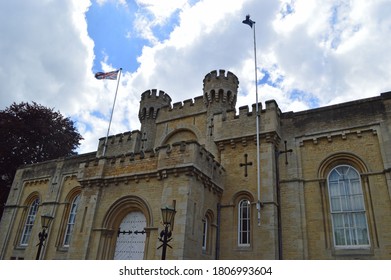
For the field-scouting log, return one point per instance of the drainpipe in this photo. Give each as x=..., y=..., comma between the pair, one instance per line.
x=217, y=254
x=279, y=225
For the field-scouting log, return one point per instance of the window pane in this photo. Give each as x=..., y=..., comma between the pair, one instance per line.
x=357, y=203
x=336, y=204
x=334, y=189
x=339, y=237
x=338, y=220
x=355, y=186
x=345, y=203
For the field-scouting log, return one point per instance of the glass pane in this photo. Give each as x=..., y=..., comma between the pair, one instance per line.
x=339, y=237
x=355, y=186
x=349, y=237
x=362, y=237
x=348, y=220
x=336, y=204
x=352, y=174
x=357, y=203
x=343, y=169
x=334, y=189
x=334, y=176
x=338, y=220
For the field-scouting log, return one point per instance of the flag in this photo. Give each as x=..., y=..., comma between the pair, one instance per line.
x=108, y=75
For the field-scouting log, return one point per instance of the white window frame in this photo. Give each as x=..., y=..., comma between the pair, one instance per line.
x=244, y=223
x=28, y=226
x=347, y=208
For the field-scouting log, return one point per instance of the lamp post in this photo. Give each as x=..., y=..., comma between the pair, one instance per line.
x=45, y=221
x=251, y=23
x=168, y=215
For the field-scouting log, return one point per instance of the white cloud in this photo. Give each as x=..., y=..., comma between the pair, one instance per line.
x=163, y=9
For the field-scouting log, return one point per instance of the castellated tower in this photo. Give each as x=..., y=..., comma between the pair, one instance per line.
x=150, y=104
x=219, y=93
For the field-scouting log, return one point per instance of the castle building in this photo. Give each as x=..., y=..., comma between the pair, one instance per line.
x=325, y=184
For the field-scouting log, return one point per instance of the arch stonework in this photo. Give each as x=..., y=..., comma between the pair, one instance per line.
x=339, y=159
x=113, y=218
x=184, y=132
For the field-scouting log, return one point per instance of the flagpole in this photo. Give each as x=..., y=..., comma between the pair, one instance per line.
x=111, y=115
x=257, y=125
x=250, y=22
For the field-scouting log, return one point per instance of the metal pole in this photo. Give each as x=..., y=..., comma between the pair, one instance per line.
x=250, y=23
x=42, y=236
x=112, y=111
x=165, y=242
x=257, y=128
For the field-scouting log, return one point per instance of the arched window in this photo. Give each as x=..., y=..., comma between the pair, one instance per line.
x=347, y=208
x=208, y=233
x=244, y=222
x=71, y=220
x=205, y=224
x=28, y=225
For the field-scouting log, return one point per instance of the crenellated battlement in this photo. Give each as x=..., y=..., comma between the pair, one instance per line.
x=151, y=102
x=244, y=123
x=119, y=144
x=186, y=108
x=153, y=93
x=220, y=76
x=220, y=87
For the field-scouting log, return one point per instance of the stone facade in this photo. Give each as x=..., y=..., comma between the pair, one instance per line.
x=199, y=156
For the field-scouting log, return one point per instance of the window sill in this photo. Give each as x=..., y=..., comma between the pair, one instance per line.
x=353, y=251
x=21, y=247
x=63, y=249
x=244, y=248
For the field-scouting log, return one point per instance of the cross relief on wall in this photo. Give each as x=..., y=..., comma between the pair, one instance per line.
x=245, y=164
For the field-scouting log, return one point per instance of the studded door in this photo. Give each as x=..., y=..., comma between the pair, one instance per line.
x=131, y=237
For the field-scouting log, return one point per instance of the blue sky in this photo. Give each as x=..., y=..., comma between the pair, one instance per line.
x=110, y=26
x=309, y=53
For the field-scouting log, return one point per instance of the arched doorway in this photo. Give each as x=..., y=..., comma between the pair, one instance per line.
x=125, y=217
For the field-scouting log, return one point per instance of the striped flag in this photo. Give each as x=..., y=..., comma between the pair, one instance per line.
x=108, y=75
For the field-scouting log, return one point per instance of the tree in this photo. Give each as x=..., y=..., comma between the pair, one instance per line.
x=31, y=133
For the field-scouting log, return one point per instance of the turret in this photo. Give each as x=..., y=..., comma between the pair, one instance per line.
x=220, y=91
x=150, y=104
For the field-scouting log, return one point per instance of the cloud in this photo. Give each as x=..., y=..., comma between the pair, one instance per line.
x=334, y=50
x=45, y=53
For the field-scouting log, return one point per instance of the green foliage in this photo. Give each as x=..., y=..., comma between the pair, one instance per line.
x=31, y=133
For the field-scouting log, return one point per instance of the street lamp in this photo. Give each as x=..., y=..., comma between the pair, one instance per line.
x=251, y=23
x=45, y=221
x=168, y=215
